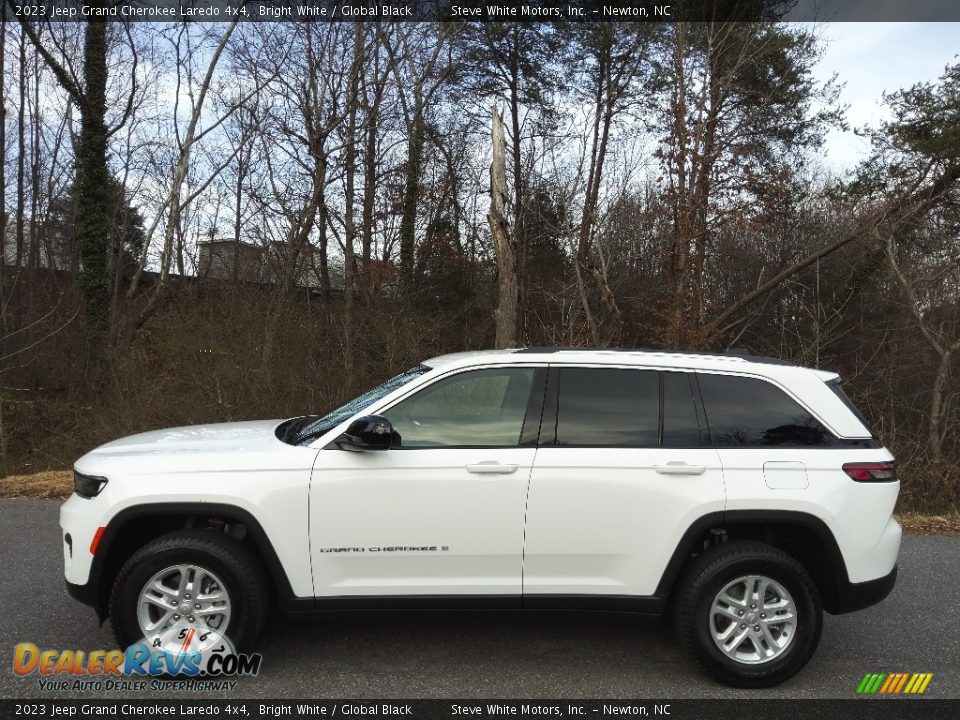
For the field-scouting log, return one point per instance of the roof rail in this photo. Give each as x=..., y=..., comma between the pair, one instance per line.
x=731, y=354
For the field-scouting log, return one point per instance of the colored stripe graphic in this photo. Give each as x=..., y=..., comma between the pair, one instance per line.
x=903, y=681
x=894, y=683
x=890, y=681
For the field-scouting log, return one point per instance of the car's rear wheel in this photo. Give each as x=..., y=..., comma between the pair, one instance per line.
x=749, y=614
x=189, y=579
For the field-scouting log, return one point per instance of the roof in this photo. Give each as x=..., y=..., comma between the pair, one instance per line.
x=230, y=241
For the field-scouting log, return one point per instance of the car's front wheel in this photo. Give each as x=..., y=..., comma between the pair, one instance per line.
x=749, y=614
x=189, y=579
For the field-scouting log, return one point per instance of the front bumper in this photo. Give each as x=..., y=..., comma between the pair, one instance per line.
x=79, y=520
x=857, y=596
x=85, y=594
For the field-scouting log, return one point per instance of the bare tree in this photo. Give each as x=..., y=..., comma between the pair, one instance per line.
x=938, y=330
x=174, y=204
x=420, y=65
x=92, y=227
x=618, y=59
x=503, y=240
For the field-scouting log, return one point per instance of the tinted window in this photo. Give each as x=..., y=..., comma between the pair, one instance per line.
x=608, y=407
x=680, y=426
x=844, y=398
x=481, y=408
x=746, y=411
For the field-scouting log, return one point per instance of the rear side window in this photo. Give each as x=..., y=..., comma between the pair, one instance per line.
x=604, y=407
x=747, y=412
x=838, y=391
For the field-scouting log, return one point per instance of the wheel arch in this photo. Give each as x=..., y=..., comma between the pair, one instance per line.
x=134, y=526
x=803, y=536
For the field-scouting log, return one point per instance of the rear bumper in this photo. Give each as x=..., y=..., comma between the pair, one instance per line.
x=857, y=596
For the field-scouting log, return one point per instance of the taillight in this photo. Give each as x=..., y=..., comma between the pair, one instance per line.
x=872, y=471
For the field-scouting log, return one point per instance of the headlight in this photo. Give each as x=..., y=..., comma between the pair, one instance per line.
x=88, y=486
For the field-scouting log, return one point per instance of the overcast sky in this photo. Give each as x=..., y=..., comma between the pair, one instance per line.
x=872, y=58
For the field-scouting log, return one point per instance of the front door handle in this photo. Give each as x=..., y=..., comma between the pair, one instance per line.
x=680, y=468
x=491, y=467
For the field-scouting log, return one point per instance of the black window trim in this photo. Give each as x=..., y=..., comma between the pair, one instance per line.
x=660, y=391
x=706, y=437
x=548, y=426
x=704, y=431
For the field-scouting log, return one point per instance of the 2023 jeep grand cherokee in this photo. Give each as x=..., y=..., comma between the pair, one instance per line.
x=744, y=495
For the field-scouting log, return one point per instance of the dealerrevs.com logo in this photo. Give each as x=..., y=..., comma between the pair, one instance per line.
x=184, y=658
x=899, y=683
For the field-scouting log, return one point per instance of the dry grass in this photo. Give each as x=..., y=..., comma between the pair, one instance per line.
x=52, y=484
x=930, y=524
x=58, y=484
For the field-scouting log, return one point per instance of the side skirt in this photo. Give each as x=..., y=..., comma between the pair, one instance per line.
x=620, y=603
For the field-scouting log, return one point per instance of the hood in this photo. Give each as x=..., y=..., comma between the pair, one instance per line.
x=222, y=446
x=196, y=438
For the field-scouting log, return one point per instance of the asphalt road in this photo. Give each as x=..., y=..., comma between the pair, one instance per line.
x=504, y=654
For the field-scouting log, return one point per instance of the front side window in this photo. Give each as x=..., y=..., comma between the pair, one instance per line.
x=751, y=412
x=480, y=408
x=608, y=407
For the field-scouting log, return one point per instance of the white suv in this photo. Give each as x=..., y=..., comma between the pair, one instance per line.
x=742, y=494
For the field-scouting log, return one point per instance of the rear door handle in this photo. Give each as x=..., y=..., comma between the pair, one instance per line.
x=680, y=468
x=491, y=467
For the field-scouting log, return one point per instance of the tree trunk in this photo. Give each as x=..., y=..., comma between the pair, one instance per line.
x=21, y=191
x=519, y=194
x=369, y=182
x=350, y=230
x=92, y=224
x=411, y=193
x=3, y=174
x=603, y=118
x=679, y=253
x=324, y=261
x=506, y=312
x=237, y=220
x=938, y=406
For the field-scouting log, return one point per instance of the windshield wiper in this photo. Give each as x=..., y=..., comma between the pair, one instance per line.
x=301, y=439
x=291, y=428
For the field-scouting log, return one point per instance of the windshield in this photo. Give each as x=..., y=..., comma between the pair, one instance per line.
x=314, y=428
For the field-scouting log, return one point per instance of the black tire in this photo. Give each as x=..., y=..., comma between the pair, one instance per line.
x=708, y=575
x=232, y=562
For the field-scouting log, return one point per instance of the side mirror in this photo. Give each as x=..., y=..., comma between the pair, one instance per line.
x=370, y=432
